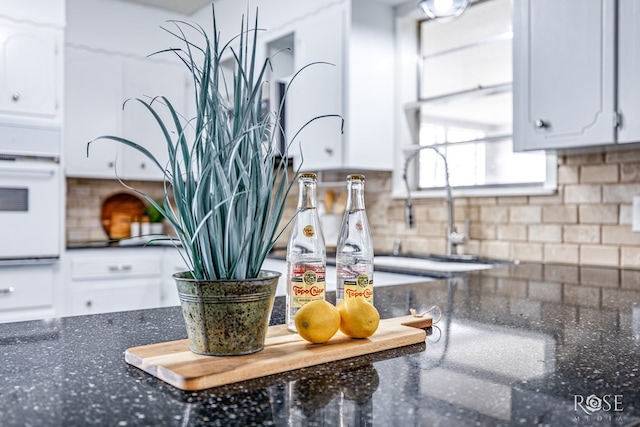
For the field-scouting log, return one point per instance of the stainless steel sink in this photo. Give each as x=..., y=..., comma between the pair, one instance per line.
x=433, y=263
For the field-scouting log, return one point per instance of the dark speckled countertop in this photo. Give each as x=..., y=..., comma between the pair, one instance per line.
x=529, y=345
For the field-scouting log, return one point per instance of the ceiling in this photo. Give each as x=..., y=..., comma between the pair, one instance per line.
x=189, y=7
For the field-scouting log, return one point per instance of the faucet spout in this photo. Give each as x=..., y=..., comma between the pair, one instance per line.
x=453, y=237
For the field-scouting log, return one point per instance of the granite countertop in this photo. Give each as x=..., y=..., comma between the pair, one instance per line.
x=519, y=345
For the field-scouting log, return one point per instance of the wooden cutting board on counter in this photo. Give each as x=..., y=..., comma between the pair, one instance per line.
x=173, y=362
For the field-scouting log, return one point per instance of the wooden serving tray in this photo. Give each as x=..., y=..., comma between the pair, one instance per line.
x=173, y=362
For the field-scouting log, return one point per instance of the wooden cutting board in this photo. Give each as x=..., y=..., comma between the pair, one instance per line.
x=173, y=362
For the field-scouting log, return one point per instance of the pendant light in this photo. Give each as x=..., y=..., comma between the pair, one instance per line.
x=443, y=9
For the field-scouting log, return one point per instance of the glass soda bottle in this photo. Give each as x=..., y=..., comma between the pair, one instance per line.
x=354, y=251
x=306, y=252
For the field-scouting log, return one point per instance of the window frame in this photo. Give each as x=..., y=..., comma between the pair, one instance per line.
x=408, y=22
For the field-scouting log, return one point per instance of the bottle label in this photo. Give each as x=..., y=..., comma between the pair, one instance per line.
x=362, y=286
x=307, y=284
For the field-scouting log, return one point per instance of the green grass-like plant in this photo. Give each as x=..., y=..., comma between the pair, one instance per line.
x=225, y=191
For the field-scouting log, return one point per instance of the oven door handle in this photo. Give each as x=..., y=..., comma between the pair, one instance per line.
x=36, y=172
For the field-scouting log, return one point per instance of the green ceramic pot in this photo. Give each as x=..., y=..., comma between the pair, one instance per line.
x=227, y=317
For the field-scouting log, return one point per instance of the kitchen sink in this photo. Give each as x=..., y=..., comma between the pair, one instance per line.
x=434, y=265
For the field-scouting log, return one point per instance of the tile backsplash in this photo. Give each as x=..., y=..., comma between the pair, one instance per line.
x=85, y=198
x=586, y=222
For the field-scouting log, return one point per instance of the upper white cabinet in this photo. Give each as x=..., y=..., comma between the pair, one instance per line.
x=575, y=68
x=145, y=79
x=628, y=70
x=351, y=44
x=97, y=85
x=30, y=72
x=564, y=54
x=318, y=89
x=93, y=94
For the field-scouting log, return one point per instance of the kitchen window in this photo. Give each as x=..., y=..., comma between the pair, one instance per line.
x=464, y=108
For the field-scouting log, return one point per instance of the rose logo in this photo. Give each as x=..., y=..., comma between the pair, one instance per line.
x=593, y=403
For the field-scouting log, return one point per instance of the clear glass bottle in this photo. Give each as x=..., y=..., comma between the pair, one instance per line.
x=354, y=251
x=306, y=252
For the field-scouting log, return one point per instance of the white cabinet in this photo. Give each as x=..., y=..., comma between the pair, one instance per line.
x=173, y=263
x=93, y=94
x=145, y=79
x=97, y=85
x=31, y=72
x=27, y=292
x=628, y=70
x=318, y=90
x=107, y=280
x=356, y=38
x=575, y=68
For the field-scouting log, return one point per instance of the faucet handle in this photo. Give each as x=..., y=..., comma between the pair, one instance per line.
x=397, y=247
x=460, y=238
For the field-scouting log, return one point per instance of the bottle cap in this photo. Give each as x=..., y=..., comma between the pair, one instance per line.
x=355, y=176
x=310, y=175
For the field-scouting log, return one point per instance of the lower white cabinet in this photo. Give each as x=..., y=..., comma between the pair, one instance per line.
x=113, y=279
x=27, y=292
x=100, y=297
x=101, y=280
x=173, y=263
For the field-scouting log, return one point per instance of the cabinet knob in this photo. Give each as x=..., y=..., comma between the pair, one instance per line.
x=110, y=164
x=7, y=291
x=15, y=96
x=541, y=124
x=88, y=303
x=143, y=165
x=328, y=150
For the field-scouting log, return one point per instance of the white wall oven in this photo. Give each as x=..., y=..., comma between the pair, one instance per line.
x=29, y=210
x=30, y=195
x=31, y=223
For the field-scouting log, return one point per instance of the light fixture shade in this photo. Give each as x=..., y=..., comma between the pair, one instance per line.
x=443, y=9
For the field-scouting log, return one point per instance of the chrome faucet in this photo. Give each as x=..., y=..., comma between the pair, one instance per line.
x=453, y=237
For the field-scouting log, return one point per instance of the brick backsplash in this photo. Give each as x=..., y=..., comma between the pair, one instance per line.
x=586, y=222
x=85, y=198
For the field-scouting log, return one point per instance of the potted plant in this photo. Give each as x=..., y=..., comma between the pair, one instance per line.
x=225, y=191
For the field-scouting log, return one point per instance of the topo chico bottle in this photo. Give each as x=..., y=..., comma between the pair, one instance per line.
x=306, y=252
x=354, y=251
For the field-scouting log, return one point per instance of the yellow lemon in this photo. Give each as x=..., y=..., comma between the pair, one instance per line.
x=358, y=317
x=317, y=321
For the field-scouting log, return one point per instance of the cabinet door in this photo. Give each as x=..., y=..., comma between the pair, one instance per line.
x=318, y=90
x=563, y=73
x=146, y=79
x=629, y=70
x=29, y=69
x=93, y=93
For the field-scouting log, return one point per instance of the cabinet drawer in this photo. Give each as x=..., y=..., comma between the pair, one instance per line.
x=126, y=296
x=115, y=267
x=26, y=287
